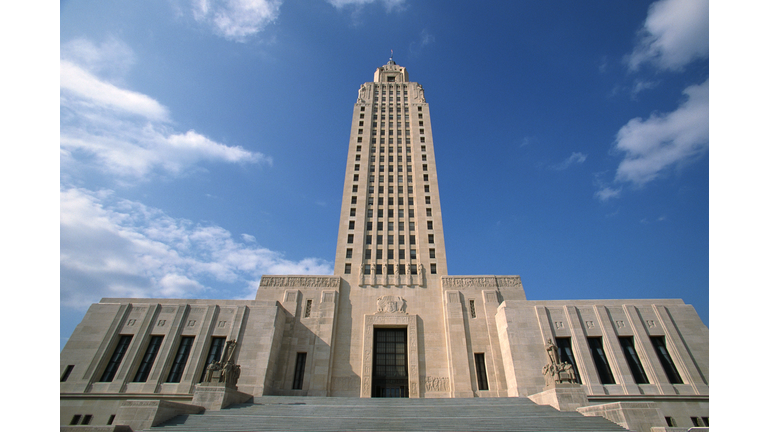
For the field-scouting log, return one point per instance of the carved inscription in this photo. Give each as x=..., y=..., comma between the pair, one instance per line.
x=619, y=323
x=222, y=323
x=131, y=322
x=469, y=281
x=558, y=324
x=191, y=323
x=436, y=384
x=509, y=281
x=160, y=323
x=139, y=308
x=650, y=323
x=367, y=385
x=589, y=324
x=307, y=281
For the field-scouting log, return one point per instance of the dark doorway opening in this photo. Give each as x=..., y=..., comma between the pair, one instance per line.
x=390, y=363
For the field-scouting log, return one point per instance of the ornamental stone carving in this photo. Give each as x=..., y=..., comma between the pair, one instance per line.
x=390, y=304
x=556, y=371
x=306, y=281
x=435, y=384
x=224, y=372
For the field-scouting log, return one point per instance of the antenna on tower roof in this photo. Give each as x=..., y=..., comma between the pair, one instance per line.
x=391, y=57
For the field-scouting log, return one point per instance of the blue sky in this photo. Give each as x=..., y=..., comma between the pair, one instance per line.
x=203, y=143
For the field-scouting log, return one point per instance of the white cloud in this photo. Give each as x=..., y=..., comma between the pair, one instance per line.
x=661, y=141
x=236, y=20
x=125, y=133
x=121, y=248
x=675, y=33
x=641, y=85
x=574, y=158
x=390, y=5
x=607, y=193
x=94, y=92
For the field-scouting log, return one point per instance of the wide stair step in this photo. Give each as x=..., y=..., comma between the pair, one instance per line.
x=282, y=413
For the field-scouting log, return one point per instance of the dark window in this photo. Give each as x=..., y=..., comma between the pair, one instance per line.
x=413, y=253
x=431, y=253
x=308, y=308
x=117, y=357
x=149, y=359
x=390, y=239
x=75, y=419
x=670, y=421
x=401, y=239
x=426, y=177
x=347, y=268
x=298, y=371
x=111, y=419
x=180, y=361
x=214, y=353
x=472, y=313
x=351, y=238
x=390, y=269
x=666, y=360
x=566, y=354
x=429, y=212
x=379, y=269
x=601, y=361
x=367, y=269
x=433, y=268
x=697, y=421
x=482, y=378
x=390, y=254
x=429, y=224
x=352, y=212
x=349, y=253
x=379, y=225
x=427, y=200
x=705, y=420
x=367, y=254
x=378, y=253
x=66, y=373
x=86, y=419
x=351, y=224
x=368, y=239
x=401, y=254
x=431, y=238
x=412, y=239
x=633, y=360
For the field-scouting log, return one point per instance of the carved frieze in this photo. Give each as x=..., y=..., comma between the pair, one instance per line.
x=469, y=281
x=390, y=304
x=305, y=281
x=436, y=384
x=509, y=281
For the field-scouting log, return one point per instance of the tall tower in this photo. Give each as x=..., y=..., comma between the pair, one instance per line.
x=391, y=228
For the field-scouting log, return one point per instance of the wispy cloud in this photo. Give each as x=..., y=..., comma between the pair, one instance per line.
x=236, y=20
x=119, y=248
x=390, y=5
x=574, y=158
x=664, y=140
x=124, y=133
x=607, y=193
x=424, y=39
x=674, y=33
x=641, y=85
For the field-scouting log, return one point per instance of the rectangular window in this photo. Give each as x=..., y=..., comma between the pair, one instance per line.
x=426, y=177
x=429, y=224
x=351, y=224
x=482, y=378
x=367, y=269
x=566, y=354
x=75, y=419
x=410, y=201
x=401, y=254
x=600, y=359
x=180, y=361
x=433, y=268
x=424, y=167
x=410, y=213
x=298, y=371
x=390, y=269
x=116, y=359
x=378, y=254
x=391, y=239
x=379, y=240
x=354, y=200
x=432, y=253
x=355, y=177
x=427, y=200
x=352, y=212
x=378, y=269
x=111, y=419
x=379, y=225
x=86, y=419
x=429, y=212
x=67, y=372
x=390, y=254
x=357, y=167
x=347, y=268
x=413, y=253
x=351, y=238
x=349, y=253
x=412, y=239
x=431, y=238
x=411, y=226
x=472, y=313
x=628, y=346
x=670, y=421
x=308, y=307
x=368, y=239
x=666, y=360
x=149, y=359
x=367, y=254
x=401, y=239
x=401, y=225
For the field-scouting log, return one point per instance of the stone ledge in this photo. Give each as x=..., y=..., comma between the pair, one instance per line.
x=635, y=416
x=563, y=397
x=143, y=414
x=215, y=397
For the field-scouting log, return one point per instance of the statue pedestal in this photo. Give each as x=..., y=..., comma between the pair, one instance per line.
x=564, y=397
x=216, y=396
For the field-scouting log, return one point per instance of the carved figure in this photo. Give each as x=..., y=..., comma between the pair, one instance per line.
x=552, y=352
x=212, y=367
x=420, y=93
x=397, y=270
x=390, y=304
x=229, y=351
x=408, y=269
x=361, y=92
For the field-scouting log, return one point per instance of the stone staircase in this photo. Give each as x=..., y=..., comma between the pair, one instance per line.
x=281, y=413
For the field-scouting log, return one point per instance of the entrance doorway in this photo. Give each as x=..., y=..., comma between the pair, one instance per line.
x=390, y=363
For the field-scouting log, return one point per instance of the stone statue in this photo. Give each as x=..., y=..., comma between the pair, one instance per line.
x=209, y=371
x=360, y=273
x=397, y=269
x=408, y=269
x=552, y=352
x=361, y=93
x=420, y=93
x=229, y=351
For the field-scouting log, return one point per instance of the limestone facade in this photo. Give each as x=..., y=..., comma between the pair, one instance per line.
x=323, y=327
